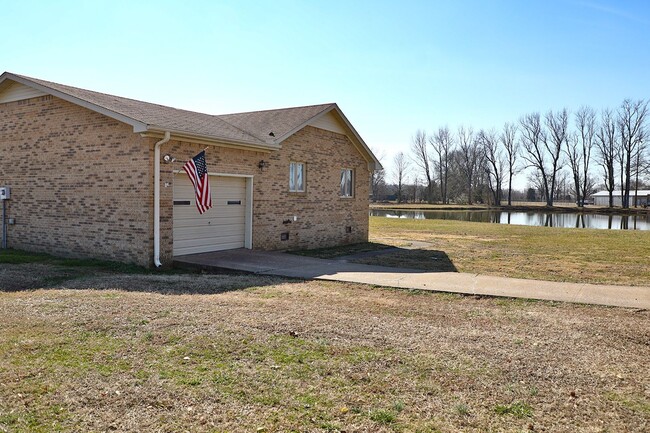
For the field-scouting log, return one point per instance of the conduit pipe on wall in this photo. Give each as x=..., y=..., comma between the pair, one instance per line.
x=156, y=199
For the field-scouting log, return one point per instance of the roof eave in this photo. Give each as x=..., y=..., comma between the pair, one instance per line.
x=178, y=135
x=373, y=162
x=136, y=124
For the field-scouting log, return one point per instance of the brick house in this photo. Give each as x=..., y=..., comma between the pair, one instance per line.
x=96, y=175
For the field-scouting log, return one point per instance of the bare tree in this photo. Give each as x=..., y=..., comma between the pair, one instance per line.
x=401, y=167
x=442, y=142
x=416, y=187
x=578, y=151
x=536, y=183
x=420, y=150
x=495, y=163
x=378, y=179
x=509, y=141
x=574, y=156
x=631, y=123
x=532, y=139
x=607, y=148
x=641, y=165
x=469, y=160
x=557, y=125
x=587, y=126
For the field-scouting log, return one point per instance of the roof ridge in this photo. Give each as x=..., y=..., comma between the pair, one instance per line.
x=251, y=128
x=49, y=84
x=166, y=106
x=328, y=104
x=38, y=80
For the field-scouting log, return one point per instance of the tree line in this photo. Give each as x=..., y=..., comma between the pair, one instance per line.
x=567, y=155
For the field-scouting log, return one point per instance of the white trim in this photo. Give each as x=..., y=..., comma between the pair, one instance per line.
x=248, y=230
x=137, y=126
x=156, y=200
x=304, y=177
x=153, y=130
x=302, y=125
x=373, y=162
x=352, y=181
x=12, y=91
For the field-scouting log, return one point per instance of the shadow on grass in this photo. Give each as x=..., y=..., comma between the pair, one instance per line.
x=21, y=271
x=343, y=250
x=420, y=259
x=378, y=254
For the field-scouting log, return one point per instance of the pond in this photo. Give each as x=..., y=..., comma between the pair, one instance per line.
x=548, y=219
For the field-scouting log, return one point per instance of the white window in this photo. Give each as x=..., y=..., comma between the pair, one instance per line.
x=297, y=177
x=347, y=182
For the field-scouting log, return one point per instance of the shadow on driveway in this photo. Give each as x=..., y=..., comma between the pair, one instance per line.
x=290, y=265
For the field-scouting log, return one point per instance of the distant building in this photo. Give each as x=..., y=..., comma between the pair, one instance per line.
x=601, y=198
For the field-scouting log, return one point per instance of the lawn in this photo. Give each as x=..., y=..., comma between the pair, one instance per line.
x=92, y=348
x=543, y=253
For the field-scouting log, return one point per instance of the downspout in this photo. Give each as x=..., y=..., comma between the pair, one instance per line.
x=156, y=199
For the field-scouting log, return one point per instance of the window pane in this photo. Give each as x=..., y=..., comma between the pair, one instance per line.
x=300, y=183
x=346, y=183
x=292, y=177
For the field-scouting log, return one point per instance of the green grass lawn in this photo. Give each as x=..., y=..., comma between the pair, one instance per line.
x=543, y=253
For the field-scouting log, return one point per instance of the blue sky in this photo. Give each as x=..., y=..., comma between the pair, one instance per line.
x=392, y=66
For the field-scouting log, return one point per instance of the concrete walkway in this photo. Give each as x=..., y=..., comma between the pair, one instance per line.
x=288, y=265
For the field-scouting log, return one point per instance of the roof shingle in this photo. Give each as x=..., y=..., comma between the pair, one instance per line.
x=259, y=129
x=252, y=127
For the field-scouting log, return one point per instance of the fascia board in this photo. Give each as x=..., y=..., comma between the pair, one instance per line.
x=376, y=165
x=305, y=123
x=373, y=162
x=136, y=124
x=157, y=131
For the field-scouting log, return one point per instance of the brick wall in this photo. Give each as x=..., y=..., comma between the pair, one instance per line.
x=82, y=185
x=322, y=216
x=75, y=191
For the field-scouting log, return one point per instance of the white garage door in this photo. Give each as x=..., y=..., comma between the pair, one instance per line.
x=221, y=228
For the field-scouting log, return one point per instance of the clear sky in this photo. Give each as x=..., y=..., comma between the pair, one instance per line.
x=392, y=66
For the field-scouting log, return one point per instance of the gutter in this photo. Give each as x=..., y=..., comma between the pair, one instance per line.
x=156, y=199
x=202, y=139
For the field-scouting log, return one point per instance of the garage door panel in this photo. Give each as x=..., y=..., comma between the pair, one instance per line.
x=206, y=242
x=220, y=228
x=206, y=249
x=192, y=216
x=199, y=225
x=197, y=232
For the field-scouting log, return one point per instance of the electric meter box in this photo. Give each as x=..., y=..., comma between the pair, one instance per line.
x=5, y=192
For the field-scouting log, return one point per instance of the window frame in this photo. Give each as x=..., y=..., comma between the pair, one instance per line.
x=345, y=193
x=293, y=178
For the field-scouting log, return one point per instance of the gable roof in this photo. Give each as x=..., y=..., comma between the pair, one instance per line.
x=257, y=129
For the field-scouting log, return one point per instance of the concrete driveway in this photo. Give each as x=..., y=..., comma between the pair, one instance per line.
x=289, y=265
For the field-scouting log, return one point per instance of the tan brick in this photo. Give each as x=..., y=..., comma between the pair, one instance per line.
x=82, y=185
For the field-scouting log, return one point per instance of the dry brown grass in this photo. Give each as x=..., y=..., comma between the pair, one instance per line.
x=246, y=353
x=541, y=253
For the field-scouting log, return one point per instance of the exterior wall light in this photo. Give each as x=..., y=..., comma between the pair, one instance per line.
x=263, y=165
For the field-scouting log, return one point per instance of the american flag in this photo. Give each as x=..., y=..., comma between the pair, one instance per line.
x=198, y=173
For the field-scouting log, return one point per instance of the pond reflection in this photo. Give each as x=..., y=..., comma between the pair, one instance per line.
x=546, y=219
